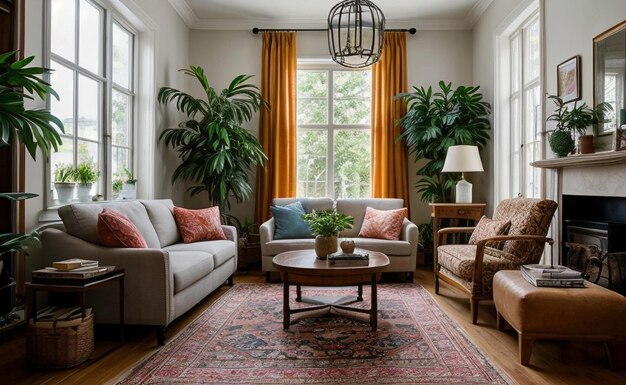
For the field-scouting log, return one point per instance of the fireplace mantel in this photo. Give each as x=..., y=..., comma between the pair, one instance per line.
x=583, y=160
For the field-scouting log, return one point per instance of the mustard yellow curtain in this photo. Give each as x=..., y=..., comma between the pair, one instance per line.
x=277, y=126
x=389, y=157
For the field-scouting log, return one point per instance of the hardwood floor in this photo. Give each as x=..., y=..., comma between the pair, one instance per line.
x=551, y=362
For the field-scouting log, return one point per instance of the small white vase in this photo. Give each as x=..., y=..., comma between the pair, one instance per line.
x=83, y=192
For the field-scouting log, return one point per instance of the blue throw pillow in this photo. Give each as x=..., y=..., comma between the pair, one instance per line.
x=288, y=222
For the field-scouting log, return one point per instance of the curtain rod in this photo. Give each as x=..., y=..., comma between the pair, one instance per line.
x=257, y=30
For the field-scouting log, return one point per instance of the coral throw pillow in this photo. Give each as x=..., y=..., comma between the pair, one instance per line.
x=382, y=224
x=487, y=228
x=199, y=225
x=116, y=230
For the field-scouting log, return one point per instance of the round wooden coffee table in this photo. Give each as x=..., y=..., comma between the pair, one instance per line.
x=301, y=267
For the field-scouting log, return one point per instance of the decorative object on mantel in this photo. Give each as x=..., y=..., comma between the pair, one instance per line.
x=619, y=143
x=355, y=33
x=568, y=80
x=573, y=122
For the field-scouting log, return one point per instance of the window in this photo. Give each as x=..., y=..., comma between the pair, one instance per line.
x=518, y=132
x=333, y=132
x=92, y=54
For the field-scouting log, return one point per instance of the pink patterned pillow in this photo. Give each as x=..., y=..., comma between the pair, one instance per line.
x=487, y=228
x=199, y=225
x=116, y=230
x=382, y=224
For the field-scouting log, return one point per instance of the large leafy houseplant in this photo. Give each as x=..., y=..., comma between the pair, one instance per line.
x=326, y=225
x=215, y=151
x=437, y=120
x=572, y=121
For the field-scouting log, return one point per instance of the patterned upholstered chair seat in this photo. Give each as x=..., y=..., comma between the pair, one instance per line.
x=471, y=267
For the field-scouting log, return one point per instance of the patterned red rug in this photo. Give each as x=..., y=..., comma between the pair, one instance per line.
x=240, y=340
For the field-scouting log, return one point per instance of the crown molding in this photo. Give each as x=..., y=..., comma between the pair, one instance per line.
x=193, y=22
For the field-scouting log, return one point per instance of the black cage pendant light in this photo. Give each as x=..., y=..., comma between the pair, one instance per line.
x=355, y=33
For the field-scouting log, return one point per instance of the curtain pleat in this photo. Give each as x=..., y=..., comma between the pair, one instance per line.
x=389, y=156
x=277, y=125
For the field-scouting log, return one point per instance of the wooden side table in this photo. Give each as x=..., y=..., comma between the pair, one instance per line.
x=439, y=211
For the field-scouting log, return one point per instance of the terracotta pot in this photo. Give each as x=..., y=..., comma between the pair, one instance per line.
x=347, y=247
x=585, y=144
x=325, y=246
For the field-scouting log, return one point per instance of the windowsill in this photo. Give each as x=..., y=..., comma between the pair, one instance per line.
x=583, y=160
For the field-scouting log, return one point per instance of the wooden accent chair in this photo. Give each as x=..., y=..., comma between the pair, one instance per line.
x=471, y=268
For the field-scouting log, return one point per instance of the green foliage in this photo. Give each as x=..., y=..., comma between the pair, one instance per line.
x=34, y=128
x=328, y=223
x=215, y=151
x=130, y=178
x=117, y=185
x=577, y=118
x=426, y=237
x=64, y=173
x=561, y=142
x=17, y=242
x=85, y=173
x=436, y=121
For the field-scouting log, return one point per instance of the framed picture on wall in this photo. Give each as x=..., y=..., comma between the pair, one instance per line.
x=568, y=80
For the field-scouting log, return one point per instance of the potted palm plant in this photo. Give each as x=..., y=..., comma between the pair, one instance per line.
x=64, y=182
x=86, y=175
x=326, y=225
x=216, y=152
x=573, y=122
x=436, y=121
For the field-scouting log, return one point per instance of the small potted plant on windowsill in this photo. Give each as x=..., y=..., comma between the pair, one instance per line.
x=86, y=175
x=64, y=182
x=573, y=122
x=129, y=187
x=326, y=225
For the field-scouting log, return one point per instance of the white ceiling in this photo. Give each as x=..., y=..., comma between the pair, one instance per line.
x=246, y=14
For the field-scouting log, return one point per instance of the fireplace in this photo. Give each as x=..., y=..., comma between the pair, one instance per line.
x=594, y=238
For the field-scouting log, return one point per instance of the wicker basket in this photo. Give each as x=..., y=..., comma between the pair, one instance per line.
x=60, y=347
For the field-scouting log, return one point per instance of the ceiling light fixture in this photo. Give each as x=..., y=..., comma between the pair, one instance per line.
x=355, y=33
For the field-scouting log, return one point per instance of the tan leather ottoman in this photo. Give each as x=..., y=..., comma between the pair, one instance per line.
x=590, y=314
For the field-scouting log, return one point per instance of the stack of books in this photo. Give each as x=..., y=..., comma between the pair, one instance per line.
x=57, y=317
x=73, y=268
x=354, y=259
x=552, y=276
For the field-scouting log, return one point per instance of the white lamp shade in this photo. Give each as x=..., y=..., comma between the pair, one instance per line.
x=463, y=158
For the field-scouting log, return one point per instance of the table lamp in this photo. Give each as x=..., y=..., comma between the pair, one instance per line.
x=463, y=159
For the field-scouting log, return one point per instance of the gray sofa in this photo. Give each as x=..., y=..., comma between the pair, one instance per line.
x=402, y=253
x=162, y=281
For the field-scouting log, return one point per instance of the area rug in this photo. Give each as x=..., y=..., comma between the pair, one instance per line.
x=240, y=339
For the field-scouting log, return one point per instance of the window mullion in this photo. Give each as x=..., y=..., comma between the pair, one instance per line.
x=107, y=107
x=330, y=158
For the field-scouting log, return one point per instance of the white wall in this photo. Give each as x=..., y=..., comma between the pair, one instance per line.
x=432, y=56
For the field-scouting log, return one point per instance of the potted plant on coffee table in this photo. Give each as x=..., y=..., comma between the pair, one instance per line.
x=86, y=175
x=326, y=225
x=574, y=122
x=64, y=185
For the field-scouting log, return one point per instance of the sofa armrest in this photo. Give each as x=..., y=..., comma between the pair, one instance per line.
x=230, y=232
x=149, y=283
x=266, y=234
x=443, y=233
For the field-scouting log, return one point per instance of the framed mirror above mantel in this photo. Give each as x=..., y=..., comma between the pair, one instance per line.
x=609, y=75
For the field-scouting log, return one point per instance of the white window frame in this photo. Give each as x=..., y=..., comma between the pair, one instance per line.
x=330, y=127
x=110, y=16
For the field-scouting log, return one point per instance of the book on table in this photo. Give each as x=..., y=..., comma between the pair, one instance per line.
x=81, y=273
x=354, y=259
x=552, y=276
x=74, y=263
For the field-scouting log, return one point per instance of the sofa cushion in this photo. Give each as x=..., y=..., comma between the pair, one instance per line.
x=488, y=228
x=199, y=225
x=459, y=260
x=161, y=214
x=116, y=230
x=282, y=245
x=81, y=220
x=382, y=224
x=356, y=209
x=288, y=222
x=221, y=251
x=309, y=204
x=188, y=267
x=384, y=246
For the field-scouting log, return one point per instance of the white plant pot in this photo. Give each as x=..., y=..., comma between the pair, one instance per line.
x=65, y=191
x=83, y=192
x=129, y=191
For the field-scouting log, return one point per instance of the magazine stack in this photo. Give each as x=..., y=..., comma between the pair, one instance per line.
x=552, y=276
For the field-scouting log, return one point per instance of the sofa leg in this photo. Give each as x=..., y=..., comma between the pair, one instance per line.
x=230, y=281
x=160, y=335
x=409, y=277
x=267, y=277
x=525, y=346
x=474, y=310
x=436, y=284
